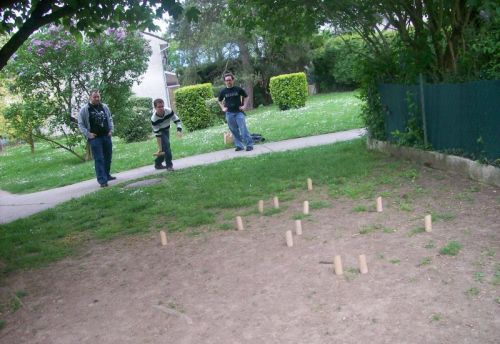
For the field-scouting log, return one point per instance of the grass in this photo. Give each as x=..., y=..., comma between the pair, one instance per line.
x=405, y=206
x=496, y=275
x=451, y=249
x=272, y=211
x=360, y=208
x=436, y=317
x=372, y=228
x=416, y=231
x=479, y=276
x=209, y=196
x=472, y=292
x=425, y=261
x=351, y=273
x=319, y=204
x=430, y=244
x=22, y=172
x=442, y=216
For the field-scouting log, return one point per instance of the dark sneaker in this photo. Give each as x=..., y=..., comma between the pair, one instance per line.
x=238, y=149
x=104, y=185
x=249, y=149
x=111, y=178
x=160, y=167
x=170, y=169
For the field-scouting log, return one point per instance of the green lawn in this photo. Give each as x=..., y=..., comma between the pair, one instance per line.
x=22, y=172
x=208, y=196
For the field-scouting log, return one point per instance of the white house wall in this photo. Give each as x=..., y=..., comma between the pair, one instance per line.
x=152, y=83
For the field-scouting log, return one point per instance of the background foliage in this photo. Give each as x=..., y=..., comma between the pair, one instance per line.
x=59, y=71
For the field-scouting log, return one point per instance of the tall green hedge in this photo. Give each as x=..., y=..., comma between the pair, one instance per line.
x=190, y=105
x=289, y=90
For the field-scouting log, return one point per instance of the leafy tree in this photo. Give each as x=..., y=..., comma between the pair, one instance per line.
x=435, y=35
x=456, y=40
x=26, y=118
x=216, y=42
x=54, y=68
x=337, y=62
x=25, y=17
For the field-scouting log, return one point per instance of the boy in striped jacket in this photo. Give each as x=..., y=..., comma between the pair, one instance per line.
x=160, y=121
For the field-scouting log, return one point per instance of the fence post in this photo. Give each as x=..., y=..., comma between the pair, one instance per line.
x=422, y=107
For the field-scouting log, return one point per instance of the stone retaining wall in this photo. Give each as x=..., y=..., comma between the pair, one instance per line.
x=483, y=173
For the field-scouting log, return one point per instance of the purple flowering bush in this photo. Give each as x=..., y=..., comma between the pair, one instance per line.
x=54, y=67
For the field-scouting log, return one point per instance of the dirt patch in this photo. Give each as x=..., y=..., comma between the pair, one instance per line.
x=248, y=287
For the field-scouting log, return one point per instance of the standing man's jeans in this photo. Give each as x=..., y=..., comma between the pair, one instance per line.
x=165, y=147
x=102, y=150
x=237, y=126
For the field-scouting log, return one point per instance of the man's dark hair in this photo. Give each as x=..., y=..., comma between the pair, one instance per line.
x=158, y=101
x=228, y=74
x=94, y=91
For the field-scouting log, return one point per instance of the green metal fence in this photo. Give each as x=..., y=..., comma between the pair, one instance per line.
x=462, y=118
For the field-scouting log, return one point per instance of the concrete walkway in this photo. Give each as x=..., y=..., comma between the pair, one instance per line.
x=13, y=207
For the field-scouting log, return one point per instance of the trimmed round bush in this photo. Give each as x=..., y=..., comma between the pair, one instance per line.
x=289, y=91
x=190, y=105
x=214, y=109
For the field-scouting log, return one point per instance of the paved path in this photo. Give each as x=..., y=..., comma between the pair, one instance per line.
x=13, y=207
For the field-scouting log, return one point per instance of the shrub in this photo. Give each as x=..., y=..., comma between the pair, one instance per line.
x=190, y=104
x=141, y=102
x=136, y=126
x=451, y=249
x=289, y=90
x=337, y=63
x=214, y=109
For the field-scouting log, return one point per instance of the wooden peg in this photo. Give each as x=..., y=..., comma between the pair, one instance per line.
x=363, y=268
x=306, y=207
x=379, y=204
x=163, y=238
x=428, y=223
x=228, y=138
x=276, y=202
x=261, y=206
x=309, y=184
x=337, y=264
x=239, y=223
x=298, y=227
x=160, y=151
x=289, y=238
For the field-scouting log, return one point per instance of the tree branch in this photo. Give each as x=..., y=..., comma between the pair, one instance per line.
x=34, y=22
x=59, y=145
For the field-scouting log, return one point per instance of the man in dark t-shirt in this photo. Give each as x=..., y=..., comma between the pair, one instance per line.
x=96, y=124
x=230, y=102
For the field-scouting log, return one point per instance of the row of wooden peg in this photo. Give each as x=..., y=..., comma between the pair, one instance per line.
x=337, y=265
x=276, y=204
x=427, y=218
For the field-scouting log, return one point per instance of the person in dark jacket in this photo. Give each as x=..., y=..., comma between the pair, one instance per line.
x=96, y=124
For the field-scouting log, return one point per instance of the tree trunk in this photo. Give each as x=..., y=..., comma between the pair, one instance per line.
x=88, y=152
x=247, y=70
x=31, y=142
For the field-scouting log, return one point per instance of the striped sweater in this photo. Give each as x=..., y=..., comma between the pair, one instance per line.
x=160, y=124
